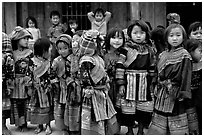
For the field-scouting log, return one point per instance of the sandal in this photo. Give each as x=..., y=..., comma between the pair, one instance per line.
x=39, y=129
x=48, y=130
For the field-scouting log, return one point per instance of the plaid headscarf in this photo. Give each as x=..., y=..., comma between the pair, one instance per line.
x=64, y=38
x=19, y=33
x=173, y=18
x=88, y=42
x=6, y=43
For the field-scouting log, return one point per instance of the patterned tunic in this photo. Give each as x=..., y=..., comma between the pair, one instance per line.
x=97, y=106
x=7, y=72
x=22, y=73
x=134, y=67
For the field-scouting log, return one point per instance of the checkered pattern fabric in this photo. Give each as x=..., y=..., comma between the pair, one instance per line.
x=88, y=43
x=19, y=33
x=6, y=43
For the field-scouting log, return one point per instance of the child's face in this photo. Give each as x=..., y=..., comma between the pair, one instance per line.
x=31, y=24
x=75, y=43
x=116, y=41
x=196, y=54
x=55, y=19
x=73, y=26
x=196, y=34
x=98, y=16
x=175, y=37
x=138, y=35
x=23, y=42
x=63, y=49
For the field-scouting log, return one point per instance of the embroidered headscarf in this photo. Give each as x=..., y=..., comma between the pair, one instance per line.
x=88, y=44
x=64, y=38
x=19, y=33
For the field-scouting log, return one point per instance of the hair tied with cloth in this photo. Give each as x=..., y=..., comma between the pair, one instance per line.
x=88, y=43
x=19, y=33
x=64, y=38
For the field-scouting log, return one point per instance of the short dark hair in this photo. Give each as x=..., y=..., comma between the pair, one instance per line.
x=111, y=33
x=168, y=30
x=99, y=10
x=194, y=26
x=71, y=21
x=54, y=13
x=143, y=26
x=41, y=45
x=33, y=20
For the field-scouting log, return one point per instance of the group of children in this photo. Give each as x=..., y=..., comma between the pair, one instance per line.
x=91, y=90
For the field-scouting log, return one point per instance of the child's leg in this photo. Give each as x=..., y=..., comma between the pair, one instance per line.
x=39, y=128
x=5, y=130
x=140, y=128
x=48, y=130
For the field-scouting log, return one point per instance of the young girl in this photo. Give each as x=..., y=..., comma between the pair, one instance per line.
x=115, y=40
x=173, y=87
x=42, y=96
x=7, y=80
x=133, y=76
x=61, y=66
x=194, y=47
x=73, y=105
x=22, y=57
x=32, y=27
x=98, y=112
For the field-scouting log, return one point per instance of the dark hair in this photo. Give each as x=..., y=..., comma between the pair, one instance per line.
x=168, y=30
x=99, y=10
x=33, y=20
x=192, y=44
x=194, y=26
x=54, y=13
x=41, y=45
x=111, y=33
x=143, y=26
x=72, y=21
x=157, y=35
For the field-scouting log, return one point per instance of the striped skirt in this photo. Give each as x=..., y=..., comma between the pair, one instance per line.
x=18, y=111
x=59, y=114
x=173, y=125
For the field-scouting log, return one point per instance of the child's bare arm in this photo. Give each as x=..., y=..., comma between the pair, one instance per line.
x=107, y=16
x=91, y=16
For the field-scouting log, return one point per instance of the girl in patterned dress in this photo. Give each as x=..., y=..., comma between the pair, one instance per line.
x=63, y=97
x=98, y=113
x=173, y=85
x=73, y=104
x=22, y=57
x=7, y=80
x=115, y=40
x=134, y=72
x=42, y=96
